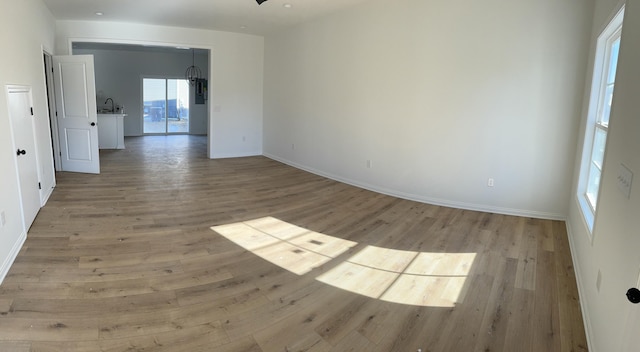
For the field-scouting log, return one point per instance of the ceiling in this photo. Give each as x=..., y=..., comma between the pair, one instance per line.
x=242, y=16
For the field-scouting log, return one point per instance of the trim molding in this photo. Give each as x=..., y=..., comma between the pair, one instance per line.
x=4, y=270
x=422, y=199
x=581, y=291
x=235, y=155
x=47, y=195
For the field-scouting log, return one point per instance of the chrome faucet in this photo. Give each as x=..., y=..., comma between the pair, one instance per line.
x=112, y=109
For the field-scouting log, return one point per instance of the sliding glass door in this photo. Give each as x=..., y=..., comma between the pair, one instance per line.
x=166, y=105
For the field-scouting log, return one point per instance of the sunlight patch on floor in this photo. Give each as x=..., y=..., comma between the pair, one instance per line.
x=406, y=277
x=392, y=275
x=288, y=246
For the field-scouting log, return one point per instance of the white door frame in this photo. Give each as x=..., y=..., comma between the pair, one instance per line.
x=51, y=104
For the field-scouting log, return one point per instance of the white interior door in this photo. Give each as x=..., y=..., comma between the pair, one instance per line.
x=631, y=335
x=75, y=91
x=24, y=146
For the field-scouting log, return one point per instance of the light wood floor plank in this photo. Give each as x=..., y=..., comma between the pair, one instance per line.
x=137, y=259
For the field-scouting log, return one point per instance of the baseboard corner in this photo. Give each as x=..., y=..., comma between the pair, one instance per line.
x=8, y=261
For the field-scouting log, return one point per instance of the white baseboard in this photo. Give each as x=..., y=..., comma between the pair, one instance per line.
x=422, y=199
x=47, y=195
x=581, y=290
x=235, y=155
x=6, y=265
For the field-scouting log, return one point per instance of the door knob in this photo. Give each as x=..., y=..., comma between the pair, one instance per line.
x=93, y=124
x=21, y=152
x=633, y=295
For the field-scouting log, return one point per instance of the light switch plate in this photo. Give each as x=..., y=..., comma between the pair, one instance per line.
x=625, y=176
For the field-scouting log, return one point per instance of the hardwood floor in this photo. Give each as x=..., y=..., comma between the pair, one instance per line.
x=128, y=260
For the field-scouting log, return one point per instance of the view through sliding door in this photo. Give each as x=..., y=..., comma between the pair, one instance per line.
x=166, y=105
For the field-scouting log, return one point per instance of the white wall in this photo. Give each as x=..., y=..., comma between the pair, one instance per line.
x=236, y=67
x=25, y=28
x=119, y=74
x=439, y=95
x=615, y=248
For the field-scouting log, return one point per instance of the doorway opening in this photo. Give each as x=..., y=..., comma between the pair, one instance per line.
x=121, y=69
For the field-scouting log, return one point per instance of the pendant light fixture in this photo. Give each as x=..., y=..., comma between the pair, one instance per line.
x=193, y=72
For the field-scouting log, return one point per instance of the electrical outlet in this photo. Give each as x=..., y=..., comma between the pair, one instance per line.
x=293, y=146
x=368, y=164
x=598, y=280
x=490, y=182
x=3, y=219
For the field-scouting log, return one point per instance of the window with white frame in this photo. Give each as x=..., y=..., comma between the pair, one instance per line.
x=602, y=87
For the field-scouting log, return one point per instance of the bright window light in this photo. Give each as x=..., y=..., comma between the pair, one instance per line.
x=392, y=275
x=600, y=104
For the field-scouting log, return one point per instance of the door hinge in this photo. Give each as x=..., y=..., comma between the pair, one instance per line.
x=31, y=111
x=39, y=185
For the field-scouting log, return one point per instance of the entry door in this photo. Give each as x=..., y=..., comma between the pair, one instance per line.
x=24, y=149
x=75, y=91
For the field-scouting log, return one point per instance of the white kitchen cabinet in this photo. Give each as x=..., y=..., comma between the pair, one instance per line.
x=111, y=131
